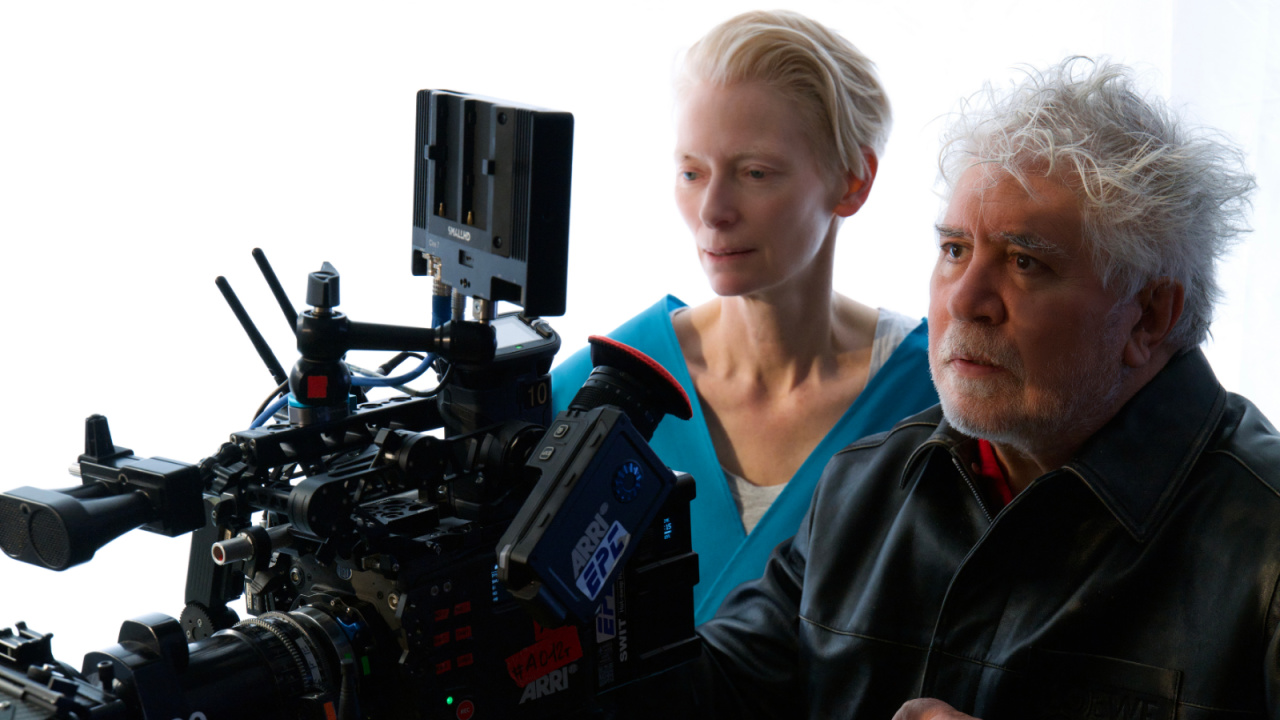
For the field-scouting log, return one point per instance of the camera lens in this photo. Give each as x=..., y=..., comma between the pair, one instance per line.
x=273, y=665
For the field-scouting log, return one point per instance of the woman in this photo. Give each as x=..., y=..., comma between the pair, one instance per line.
x=780, y=123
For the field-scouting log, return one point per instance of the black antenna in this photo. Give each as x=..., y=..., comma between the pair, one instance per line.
x=276, y=289
x=259, y=344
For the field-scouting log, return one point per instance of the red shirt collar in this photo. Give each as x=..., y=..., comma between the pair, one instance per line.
x=989, y=470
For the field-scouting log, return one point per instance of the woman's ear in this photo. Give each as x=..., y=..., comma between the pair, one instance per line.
x=857, y=188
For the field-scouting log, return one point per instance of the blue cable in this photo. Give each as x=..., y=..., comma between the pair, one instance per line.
x=364, y=381
x=440, y=309
x=271, y=410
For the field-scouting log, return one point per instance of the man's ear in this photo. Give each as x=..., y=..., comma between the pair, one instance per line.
x=1160, y=302
x=857, y=188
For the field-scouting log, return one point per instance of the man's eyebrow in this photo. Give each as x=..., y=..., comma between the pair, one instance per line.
x=1031, y=241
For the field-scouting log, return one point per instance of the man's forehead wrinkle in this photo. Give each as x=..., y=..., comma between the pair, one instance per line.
x=992, y=172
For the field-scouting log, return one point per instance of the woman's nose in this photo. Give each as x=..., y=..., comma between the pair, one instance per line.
x=719, y=204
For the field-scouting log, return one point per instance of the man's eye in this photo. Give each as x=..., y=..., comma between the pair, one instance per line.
x=756, y=174
x=1026, y=263
x=952, y=250
x=688, y=175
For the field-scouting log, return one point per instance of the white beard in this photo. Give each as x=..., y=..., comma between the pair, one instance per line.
x=1081, y=398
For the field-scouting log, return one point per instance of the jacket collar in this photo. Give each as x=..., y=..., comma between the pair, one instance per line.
x=1137, y=462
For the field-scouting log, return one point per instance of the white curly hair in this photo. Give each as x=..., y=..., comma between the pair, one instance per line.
x=1158, y=198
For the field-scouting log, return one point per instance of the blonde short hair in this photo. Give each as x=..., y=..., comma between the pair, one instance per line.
x=845, y=105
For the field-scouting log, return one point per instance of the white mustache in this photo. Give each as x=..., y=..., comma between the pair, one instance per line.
x=961, y=342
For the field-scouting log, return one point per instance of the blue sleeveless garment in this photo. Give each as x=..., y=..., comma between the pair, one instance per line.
x=727, y=555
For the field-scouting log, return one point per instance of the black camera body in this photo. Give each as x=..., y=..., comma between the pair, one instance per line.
x=457, y=554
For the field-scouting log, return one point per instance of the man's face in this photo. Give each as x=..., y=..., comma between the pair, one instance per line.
x=1025, y=344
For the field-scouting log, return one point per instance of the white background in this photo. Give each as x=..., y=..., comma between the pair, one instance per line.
x=146, y=148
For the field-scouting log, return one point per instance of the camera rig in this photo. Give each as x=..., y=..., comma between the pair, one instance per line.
x=458, y=553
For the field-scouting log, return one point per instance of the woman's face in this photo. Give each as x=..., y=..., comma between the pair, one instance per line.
x=751, y=189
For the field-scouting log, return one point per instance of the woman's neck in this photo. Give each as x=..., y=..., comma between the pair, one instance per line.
x=778, y=345
x=774, y=334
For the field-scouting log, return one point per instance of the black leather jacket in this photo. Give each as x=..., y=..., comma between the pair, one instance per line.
x=1137, y=582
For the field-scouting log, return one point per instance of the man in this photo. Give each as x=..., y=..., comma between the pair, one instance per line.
x=1088, y=525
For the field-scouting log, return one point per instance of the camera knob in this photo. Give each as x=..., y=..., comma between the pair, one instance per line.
x=322, y=288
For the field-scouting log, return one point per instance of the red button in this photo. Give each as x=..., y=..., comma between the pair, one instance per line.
x=440, y=639
x=465, y=660
x=462, y=607
x=462, y=633
x=443, y=667
x=466, y=709
x=442, y=614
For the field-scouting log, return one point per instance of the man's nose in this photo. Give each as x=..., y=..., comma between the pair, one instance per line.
x=975, y=294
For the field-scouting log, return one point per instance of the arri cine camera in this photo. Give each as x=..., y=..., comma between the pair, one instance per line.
x=457, y=553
